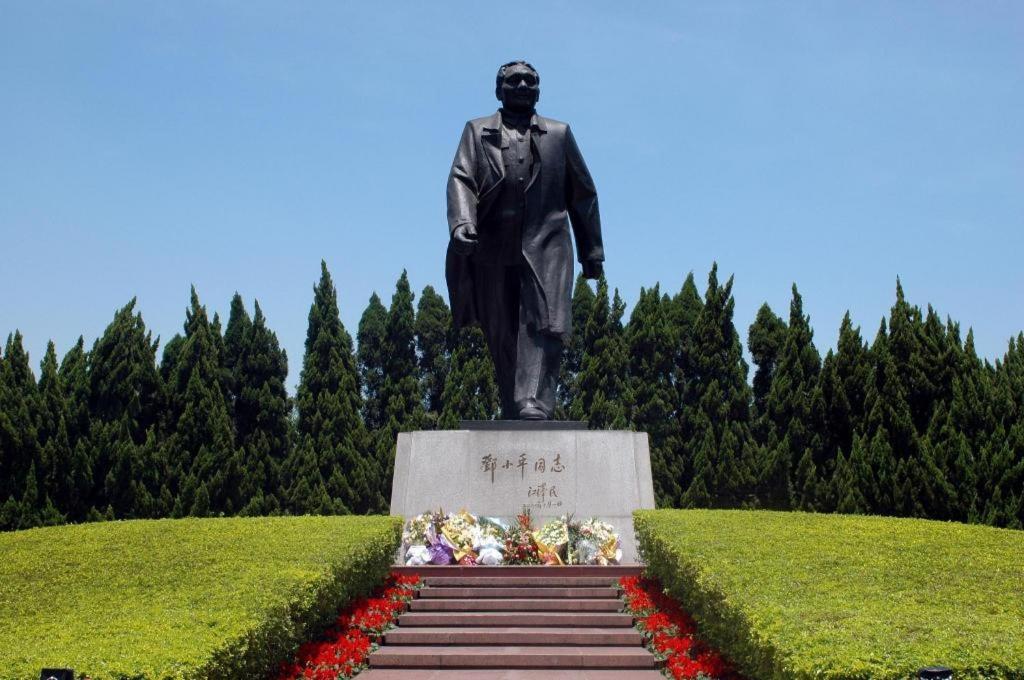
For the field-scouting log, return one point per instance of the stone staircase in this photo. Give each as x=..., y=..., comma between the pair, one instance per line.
x=515, y=623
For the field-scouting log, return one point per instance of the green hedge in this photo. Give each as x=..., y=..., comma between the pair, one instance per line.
x=797, y=595
x=190, y=598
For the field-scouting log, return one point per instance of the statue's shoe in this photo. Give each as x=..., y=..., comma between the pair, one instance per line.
x=532, y=413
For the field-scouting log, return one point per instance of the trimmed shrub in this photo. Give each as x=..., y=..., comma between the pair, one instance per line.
x=189, y=598
x=843, y=597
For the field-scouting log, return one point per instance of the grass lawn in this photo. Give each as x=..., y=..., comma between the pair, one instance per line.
x=189, y=598
x=797, y=595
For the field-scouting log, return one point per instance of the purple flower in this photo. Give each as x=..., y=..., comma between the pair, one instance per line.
x=441, y=551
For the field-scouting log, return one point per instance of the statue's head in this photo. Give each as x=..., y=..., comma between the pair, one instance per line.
x=518, y=86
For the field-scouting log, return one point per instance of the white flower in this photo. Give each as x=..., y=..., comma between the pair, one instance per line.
x=416, y=556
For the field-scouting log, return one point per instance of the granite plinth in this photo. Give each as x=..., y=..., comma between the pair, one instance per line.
x=497, y=472
x=520, y=425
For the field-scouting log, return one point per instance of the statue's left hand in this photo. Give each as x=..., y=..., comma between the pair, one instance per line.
x=592, y=269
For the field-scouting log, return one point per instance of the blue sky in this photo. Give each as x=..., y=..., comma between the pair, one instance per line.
x=145, y=147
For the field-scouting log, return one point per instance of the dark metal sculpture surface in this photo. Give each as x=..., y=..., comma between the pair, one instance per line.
x=517, y=183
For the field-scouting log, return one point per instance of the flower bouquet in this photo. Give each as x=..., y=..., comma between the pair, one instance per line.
x=520, y=547
x=552, y=541
x=491, y=542
x=462, y=532
x=416, y=531
x=440, y=549
x=420, y=540
x=597, y=543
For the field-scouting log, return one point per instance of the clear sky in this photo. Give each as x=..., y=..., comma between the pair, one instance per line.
x=145, y=147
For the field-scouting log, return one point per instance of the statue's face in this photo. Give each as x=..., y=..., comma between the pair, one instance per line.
x=520, y=89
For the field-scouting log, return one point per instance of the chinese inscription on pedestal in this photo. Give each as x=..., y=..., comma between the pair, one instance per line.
x=541, y=475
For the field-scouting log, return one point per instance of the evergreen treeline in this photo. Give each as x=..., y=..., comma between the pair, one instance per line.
x=912, y=424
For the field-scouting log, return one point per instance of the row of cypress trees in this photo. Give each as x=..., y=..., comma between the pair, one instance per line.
x=913, y=424
x=209, y=429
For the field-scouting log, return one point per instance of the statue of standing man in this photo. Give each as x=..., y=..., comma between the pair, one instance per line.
x=517, y=182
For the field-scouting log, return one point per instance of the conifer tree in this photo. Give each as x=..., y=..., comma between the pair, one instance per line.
x=764, y=340
x=937, y=361
x=236, y=337
x=603, y=392
x=52, y=404
x=327, y=472
x=10, y=509
x=719, y=405
x=702, y=491
x=169, y=362
x=931, y=492
x=401, y=394
x=262, y=407
x=65, y=472
x=74, y=376
x=1006, y=506
x=200, y=447
x=19, y=437
x=960, y=435
x=2, y=415
x=124, y=398
x=850, y=475
x=223, y=372
x=842, y=384
x=470, y=388
x=36, y=509
x=963, y=473
x=923, y=360
x=888, y=428
x=906, y=330
x=794, y=410
x=433, y=343
x=683, y=310
x=652, y=341
x=935, y=492
x=133, y=474
x=400, y=367
x=372, y=330
x=572, y=354
x=1010, y=374
x=807, y=488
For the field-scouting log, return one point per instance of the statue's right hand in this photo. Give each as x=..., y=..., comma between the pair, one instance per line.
x=465, y=238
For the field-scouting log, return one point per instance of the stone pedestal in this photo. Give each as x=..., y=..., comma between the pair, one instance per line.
x=554, y=471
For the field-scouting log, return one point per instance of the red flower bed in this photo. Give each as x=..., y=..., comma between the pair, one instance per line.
x=345, y=647
x=671, y=634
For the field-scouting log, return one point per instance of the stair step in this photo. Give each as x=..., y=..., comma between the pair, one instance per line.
x=514, y=605
x=515, y=623
x=516, y=619
x=435, y=592
x=512, y=636
x=511, y=657
x=507, y=674
x=538, y=581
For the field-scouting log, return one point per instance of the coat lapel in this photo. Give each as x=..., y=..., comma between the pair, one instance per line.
x=538, y=132
x=491, y=143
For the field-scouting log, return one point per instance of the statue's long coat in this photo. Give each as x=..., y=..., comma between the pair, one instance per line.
x=560, y=190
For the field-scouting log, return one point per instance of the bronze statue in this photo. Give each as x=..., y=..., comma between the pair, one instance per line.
x=516, y=183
